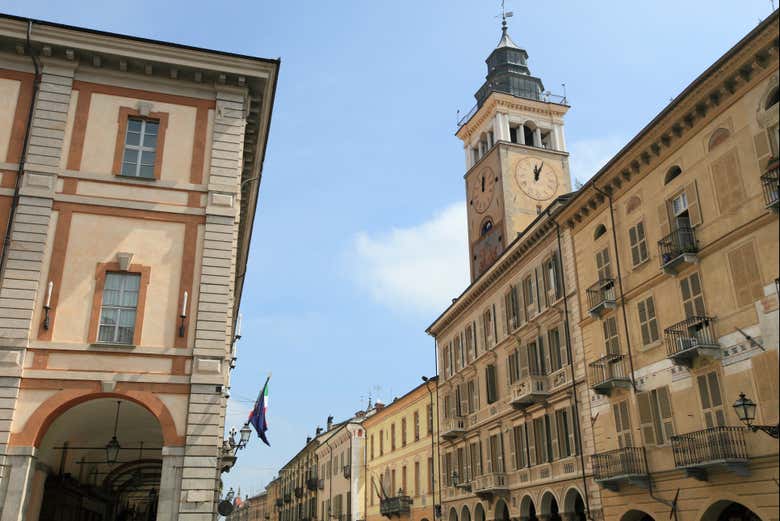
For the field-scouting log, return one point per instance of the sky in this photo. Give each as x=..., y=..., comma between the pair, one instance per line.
x=360, y=235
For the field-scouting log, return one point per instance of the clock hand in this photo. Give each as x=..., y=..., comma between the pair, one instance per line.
x=538, y=170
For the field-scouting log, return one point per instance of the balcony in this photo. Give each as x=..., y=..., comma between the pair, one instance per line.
x=609, y=372
x=530, y=390
x=677, y=249
x=723, y=447
x=453, y=428
x=621, y=466
x=693, y=337
x=299, y=492
x=487, y=485
x=311, y=484
x=601, y=297
x=770, y=182
x=395, y=506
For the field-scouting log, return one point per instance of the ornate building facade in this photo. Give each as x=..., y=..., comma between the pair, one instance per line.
x=130, y=172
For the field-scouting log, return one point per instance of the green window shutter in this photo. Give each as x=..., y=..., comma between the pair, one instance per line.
x=665, y=407
x=646, y=418
x=512, y=463
x=530, y=429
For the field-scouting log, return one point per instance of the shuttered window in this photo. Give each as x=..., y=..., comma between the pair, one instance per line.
x=636, y=236
x=611, y=339
x=496, y=456
x=430, y=475
x=487, y=328
x=540, y=438
x=536, y=358
x=623, y=424
x=655, y=416
x=745, y=275
x=512, y=309
x=693, y=301
x=518, y=435
x=403, y=432
x=392, y=436
x=416, y=421
x=513, y=367
x=565, y=432
x=417, y=490
x=471, y=390
x=553, y=279
x=557, y=350
x=711, y=399
x=529, y=296
x=490, y=383
x=603, y=264
x=429, y=412
x=647, y=321
x=475, y=458
x=729, y=190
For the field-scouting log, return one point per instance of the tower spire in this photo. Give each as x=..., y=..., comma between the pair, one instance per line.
x=505, y=41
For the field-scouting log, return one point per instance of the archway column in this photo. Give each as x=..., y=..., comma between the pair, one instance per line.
x=21, y=466
x=170, y=483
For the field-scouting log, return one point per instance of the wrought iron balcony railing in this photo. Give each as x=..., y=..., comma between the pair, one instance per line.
x=311, y=484
x=601, y=296
x=621, y=465
x=676, y=248
x=453, y=427
x=694, y=336
x=609, y=372
x=299, y=492
x=395, y=506
x=488, y=484
x=716, y=446
x=770, y=183
x=527, y=391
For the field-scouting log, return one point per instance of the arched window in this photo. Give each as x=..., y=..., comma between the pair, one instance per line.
x=718, y=137
x=600, y=230
x=672, y=173
x=486, y=227
x=773, y=99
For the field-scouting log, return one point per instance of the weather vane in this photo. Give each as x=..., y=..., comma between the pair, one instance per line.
x=504, y=15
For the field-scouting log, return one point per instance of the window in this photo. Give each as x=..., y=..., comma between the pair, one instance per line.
x=529, y=296
x=558, y=356
x=140, y=148
x=565, y=429
x=599, y=231
x=416, y=425
x=459, y=358
x=381, y=443
x=647, y=321
x=416, y=478
x=496, y=453
x=488, y=224
x=118, y=308
x=512, y=309
x=553, y=282
x=513, y=366
x=745, y=275
x=487, y=328
x=475, y=458
x=403, y=432
x=536, y=357
x=711, y=400
x=718, y=137
x=693, y=301
x=672, y=173
x=473, y=397
x=540, y=438
x=636, y=236
x=622, y=424
x=430, y=474
x=611, y=339
x=372, y=446
x=470, y=344
x=655, y=416
x=603, y=265
x=518, y=435
x=727, y=179
x=392, y=436
x=429, y=410
x=403, y=480
x=490, y=383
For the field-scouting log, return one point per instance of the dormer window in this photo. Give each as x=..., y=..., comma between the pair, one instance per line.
x=487, y=225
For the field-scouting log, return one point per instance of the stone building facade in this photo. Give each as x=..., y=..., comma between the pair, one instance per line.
x=130, y=172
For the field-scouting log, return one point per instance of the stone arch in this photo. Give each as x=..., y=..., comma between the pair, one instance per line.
x=527, y=507
x=479, y=512
x=453, y=514
x=599, y=231
x=52, y=408
x=465, y=515
x=570, y=499
x=548, y=504
x=637, y=515
x=728, y=509
x=501, y=511
x=673, y=172
x=717, y=137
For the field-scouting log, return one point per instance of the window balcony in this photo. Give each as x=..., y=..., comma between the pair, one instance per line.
x=299, y=492
x=621, y=466
x=453, y=428
x=723, y=447
x=609, y=372
x=489, y=484
x=395, y=506
x=677, y=249
x=530, y=390
x=693, y=337
x=311, y=484
x=770, y=182
x=601, y=297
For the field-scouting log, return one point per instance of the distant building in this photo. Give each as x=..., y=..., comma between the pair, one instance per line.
x=129, y=177
x=255, y=508
x=401, y=457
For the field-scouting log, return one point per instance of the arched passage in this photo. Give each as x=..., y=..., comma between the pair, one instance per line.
x=725, y=510
x=465, y=515
x=502, y=511
x=637, y=515
x=99, y=459
x=453, y=514
x=479, y=512
x=574, y=505
x=528, y=509
x=549, y=507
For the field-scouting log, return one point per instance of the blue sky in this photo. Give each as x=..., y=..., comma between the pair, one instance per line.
x=360, y=236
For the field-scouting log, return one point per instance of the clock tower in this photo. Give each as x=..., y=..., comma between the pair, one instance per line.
x=516, y=159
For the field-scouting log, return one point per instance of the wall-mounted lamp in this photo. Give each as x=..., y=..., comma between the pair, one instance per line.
x=183, y=315
x=47, y=306
x=746, y=412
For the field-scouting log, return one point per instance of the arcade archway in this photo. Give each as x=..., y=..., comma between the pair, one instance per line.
x=637, y=515
x=729, y=511
x=99, y=460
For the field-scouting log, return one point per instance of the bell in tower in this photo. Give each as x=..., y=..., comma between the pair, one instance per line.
x=516, y=159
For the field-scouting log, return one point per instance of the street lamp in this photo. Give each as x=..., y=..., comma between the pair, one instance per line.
x=112, y=447
x=245, y=432
x=746, y=412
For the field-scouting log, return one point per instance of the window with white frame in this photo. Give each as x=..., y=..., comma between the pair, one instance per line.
x=140, y=148
x=118, y=308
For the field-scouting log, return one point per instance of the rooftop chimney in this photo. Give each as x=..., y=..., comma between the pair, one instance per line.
x=379, y=405
x=330, y=422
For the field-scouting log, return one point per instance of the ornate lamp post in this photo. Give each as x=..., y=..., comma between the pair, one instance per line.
x=746, y=412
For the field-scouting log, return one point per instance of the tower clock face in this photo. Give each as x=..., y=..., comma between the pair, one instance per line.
x=481, y=188
x=537, y=178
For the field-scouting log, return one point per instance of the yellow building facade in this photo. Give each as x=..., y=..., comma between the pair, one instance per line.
x=676, y=245
x=402, y=475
